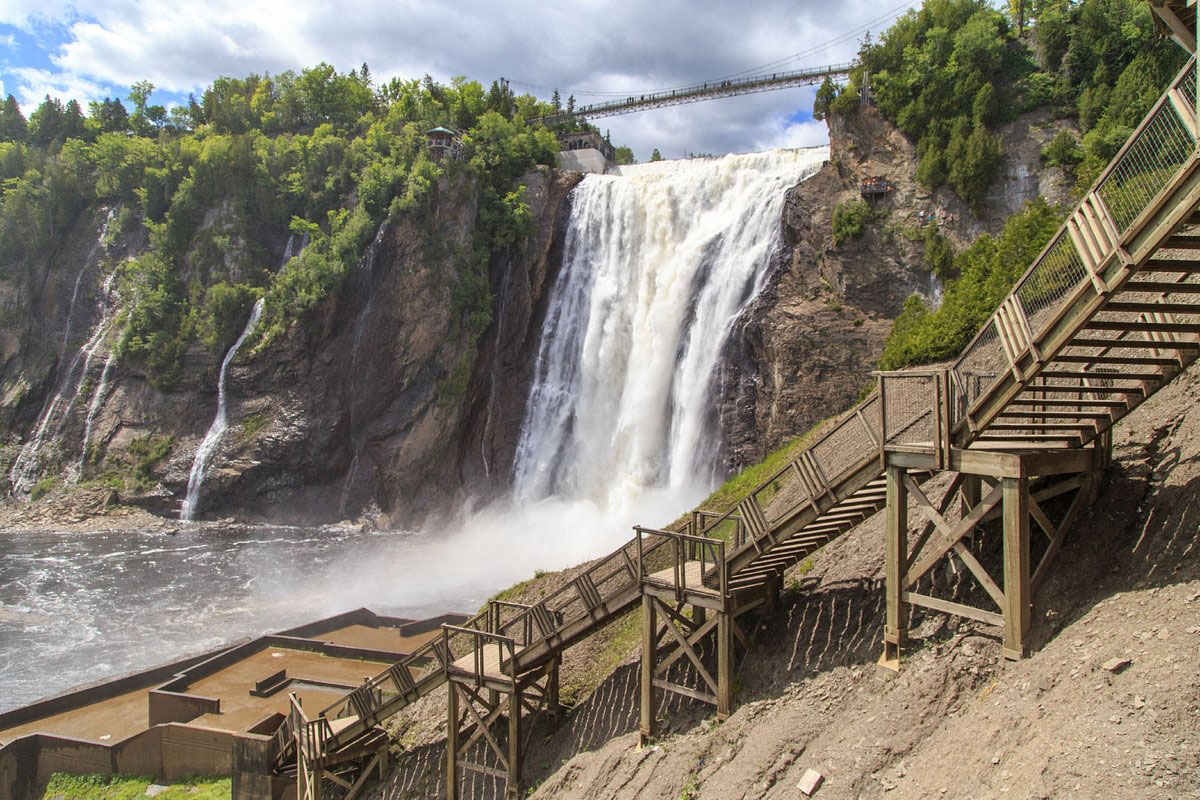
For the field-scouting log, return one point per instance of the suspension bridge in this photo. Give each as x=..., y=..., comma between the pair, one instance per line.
x=1020, y=423
x=753, y=84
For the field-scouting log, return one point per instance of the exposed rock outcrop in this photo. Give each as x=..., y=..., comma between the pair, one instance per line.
x=806, y=348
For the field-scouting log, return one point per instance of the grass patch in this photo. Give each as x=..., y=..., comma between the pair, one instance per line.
x=130, y=787
x=727, y=495
x=620, y=639
x=251, y=425
x=44, y=487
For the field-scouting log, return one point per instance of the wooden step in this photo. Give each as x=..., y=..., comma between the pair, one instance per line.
x=1162, y=287
x=1149, y=361
x=1137, y=344
x=1142, y=327
x=1052, y=402
x=1134, y=307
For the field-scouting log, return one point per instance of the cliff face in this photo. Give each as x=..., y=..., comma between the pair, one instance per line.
x=806, y=348
x=380, y=404
x=379, y=401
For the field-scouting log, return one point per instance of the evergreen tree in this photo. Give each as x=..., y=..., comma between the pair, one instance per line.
x=74, y=124
x=12, y=122
x=556, y=101
x=46, y=123
x=108, y=115
x=656, y=156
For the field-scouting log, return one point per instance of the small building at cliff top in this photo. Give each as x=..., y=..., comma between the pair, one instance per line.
x=586, y=151
x=443, y=143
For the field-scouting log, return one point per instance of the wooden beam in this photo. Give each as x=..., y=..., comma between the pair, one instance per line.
x=957, y=609
x=964, y=526
x=452, y=742
x=725, y=634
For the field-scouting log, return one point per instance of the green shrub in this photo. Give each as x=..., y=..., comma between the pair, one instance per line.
x=939, y=255
x=849, y=220
x=987, y=271
x=1062, y=150
x=147, y=452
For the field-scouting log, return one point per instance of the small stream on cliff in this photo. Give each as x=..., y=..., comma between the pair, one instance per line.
x=621, y=427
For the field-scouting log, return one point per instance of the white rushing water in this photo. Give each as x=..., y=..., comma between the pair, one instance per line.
x=658, y=264
x=191, y=504
x=56, y=411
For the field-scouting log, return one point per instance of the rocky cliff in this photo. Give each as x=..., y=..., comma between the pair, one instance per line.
x=378, y=403
x=806, y=348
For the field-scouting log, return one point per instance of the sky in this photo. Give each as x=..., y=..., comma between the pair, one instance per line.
x=93, y=50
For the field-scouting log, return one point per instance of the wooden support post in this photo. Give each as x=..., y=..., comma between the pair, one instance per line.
x=896, y=557
x=1017, y=595
x=724, y=664
x=452, y=742
x=513, y=790
x=773, y=589
x=552, y=704
x=649, y=626
x=972, y=493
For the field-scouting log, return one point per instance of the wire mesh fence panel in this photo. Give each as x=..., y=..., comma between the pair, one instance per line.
x=981, y=363
x=1050, y=282
x=1187, y=87
x=1161, y=148
x=783, y=490
x=909, y=405
x=844, y=447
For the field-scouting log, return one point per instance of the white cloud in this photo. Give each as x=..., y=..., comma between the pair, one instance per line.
x=618, y=46
x=804, y=134
x=35, y=84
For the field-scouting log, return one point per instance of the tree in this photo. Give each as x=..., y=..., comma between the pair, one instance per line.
x=656, y=156
x=139, y=95
x=74, y=125
x=826, y=94
x=556, y=101
x=624, y=155
x=108, y=115
x=46, y=123
x=13, y=127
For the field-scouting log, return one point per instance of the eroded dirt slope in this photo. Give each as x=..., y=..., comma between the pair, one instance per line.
x=958, y=721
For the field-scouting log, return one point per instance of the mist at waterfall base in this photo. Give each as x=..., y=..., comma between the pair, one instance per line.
x=620, y=429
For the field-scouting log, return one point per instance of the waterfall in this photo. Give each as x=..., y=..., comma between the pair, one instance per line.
x=658, y=264
x=55, y=412
x=366, y=267
x=213, y=437
x=97, y=403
